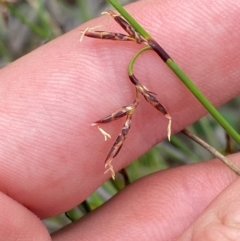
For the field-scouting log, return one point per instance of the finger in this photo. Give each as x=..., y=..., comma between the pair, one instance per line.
x=157, y=207
x=50, y=97
x=220, y=221
x=18, y=223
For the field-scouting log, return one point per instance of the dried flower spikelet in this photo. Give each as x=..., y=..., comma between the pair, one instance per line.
x=88, y=31
x=124, y=111
x=154, y=102
x=118, y=144
x=151, y=99
x=135, y=36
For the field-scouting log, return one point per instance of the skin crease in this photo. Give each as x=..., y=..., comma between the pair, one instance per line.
x=52, y=159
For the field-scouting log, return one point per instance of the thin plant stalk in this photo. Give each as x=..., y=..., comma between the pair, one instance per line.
x=212, y=150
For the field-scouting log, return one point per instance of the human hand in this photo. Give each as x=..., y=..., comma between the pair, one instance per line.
x=52, y=159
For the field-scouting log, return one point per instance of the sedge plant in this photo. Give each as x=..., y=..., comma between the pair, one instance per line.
x=137, y=34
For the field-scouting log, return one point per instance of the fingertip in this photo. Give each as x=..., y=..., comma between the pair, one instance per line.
x=18, y=223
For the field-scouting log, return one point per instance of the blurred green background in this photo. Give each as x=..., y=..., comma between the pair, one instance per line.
x=26, y=25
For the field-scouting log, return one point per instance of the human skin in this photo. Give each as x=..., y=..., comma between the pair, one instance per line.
x=52, y=159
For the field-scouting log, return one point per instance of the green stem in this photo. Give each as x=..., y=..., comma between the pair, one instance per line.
x=204, y=101
x=174, y=67
x=134, y=58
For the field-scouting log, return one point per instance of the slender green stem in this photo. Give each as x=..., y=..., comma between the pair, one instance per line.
x=132, y=61
x=204, y=101
x=174, y=67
